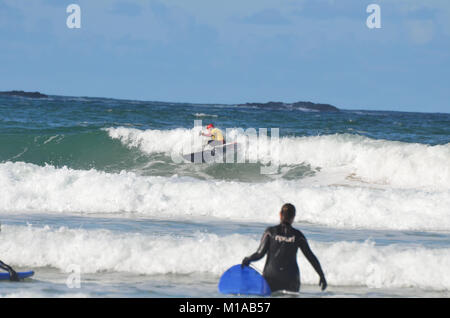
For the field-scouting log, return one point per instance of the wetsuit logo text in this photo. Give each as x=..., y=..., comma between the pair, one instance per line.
x=280, y=238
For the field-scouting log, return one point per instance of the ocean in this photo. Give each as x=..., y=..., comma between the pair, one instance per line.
x=93, y=201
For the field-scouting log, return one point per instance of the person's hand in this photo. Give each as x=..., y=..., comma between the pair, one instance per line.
x=323, y=283
x=245, y=262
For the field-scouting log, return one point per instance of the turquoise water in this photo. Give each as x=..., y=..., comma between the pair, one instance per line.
x=92, y=182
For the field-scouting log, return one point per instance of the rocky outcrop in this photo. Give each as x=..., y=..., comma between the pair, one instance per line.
x=23, y=94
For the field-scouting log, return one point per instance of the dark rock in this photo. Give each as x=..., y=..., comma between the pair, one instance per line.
x=23, y=94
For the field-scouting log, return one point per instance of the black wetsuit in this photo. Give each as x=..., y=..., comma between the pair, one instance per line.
x=281, y=243
x=12, y=273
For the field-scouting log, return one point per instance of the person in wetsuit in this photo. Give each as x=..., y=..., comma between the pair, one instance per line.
x=281, y=243
x=12, y=273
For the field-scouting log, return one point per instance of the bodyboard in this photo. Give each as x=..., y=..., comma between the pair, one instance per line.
x=211, y=154
x=243, y=281
x=22, y=275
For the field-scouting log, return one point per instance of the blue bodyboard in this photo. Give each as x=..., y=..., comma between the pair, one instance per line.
x=22, y=275
x=243, y=281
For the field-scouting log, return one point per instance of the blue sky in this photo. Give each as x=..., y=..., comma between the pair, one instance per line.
x=211, y=51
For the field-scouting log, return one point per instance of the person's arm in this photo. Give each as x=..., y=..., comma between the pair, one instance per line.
x=206, y=135
x=262, y=250
x=306, y=250
x=12, y=273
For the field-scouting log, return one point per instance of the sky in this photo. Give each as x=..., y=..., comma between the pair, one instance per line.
x=234, y=51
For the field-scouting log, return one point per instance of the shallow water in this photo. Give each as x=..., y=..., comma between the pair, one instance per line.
x=137, y=282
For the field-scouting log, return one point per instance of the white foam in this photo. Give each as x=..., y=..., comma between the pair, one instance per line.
x=397, y=164
x=39, y=294
x=96, y=251
x=103, y=250
x=205, y=115
x=393, y=266
x=28, y=188
x=153, y=141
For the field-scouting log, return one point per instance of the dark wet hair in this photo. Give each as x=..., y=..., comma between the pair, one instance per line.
x=287, y=213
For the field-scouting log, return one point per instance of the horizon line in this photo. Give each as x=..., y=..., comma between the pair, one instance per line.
x=228, y=104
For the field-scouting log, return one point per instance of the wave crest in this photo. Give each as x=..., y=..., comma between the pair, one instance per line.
x=397, y=164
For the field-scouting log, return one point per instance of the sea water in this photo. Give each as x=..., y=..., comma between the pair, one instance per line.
x=92, y=200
